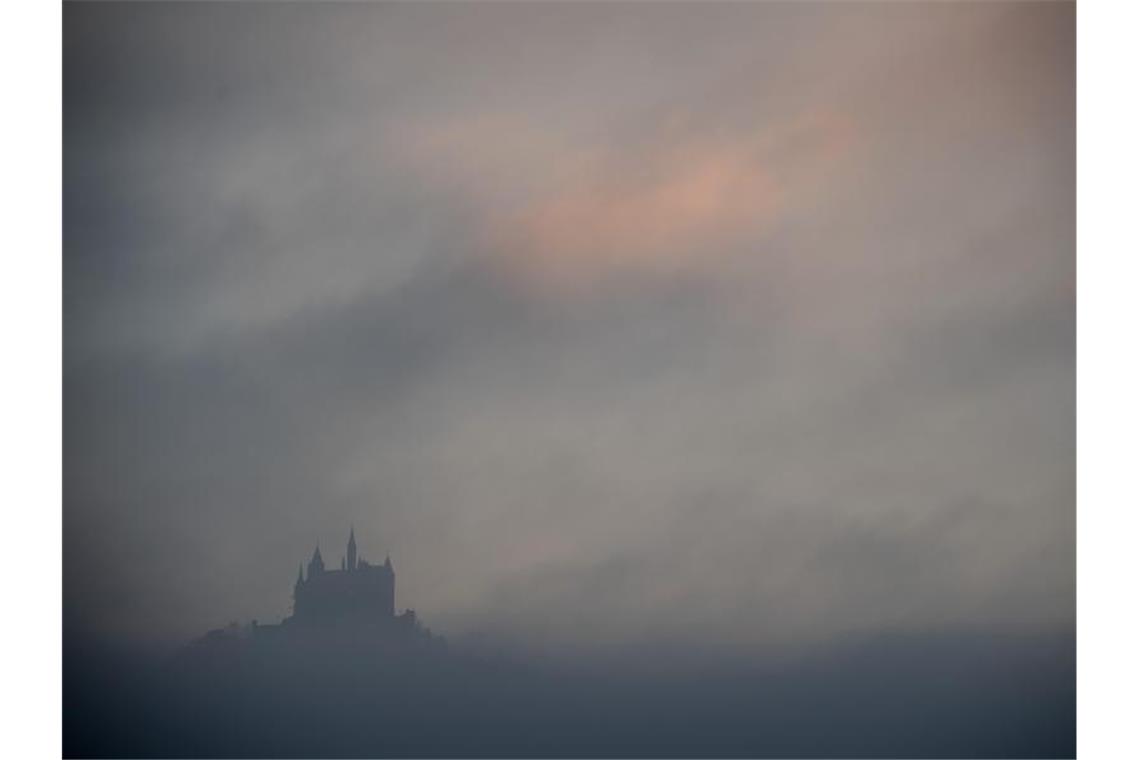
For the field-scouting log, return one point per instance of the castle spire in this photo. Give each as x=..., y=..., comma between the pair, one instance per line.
x=352, y=548
x=317, y=563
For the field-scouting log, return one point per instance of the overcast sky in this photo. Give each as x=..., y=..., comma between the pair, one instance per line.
x=731, y=326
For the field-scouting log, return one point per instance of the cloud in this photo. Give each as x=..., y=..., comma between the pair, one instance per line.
x=741, y=328
x=560, y=211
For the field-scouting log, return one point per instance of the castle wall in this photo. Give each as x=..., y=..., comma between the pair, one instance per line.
x=366, y=592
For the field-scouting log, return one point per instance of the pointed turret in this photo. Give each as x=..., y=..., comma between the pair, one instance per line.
x=298, y=587
x=389, y=583
x=316, y=564
x=352, y=548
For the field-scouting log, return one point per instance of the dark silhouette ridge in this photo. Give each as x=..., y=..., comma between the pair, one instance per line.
x=345, y=676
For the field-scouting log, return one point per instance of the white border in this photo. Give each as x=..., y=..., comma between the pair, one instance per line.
x=1108, y=378
x=1108, y=170
x=31, y=319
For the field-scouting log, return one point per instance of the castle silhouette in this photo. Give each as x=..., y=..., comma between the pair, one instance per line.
x=359, y=596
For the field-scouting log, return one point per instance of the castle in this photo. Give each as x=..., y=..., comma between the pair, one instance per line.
x=359, y=596
x=358, y=590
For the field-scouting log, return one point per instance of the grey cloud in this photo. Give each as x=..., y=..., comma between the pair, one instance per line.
x=278, y=322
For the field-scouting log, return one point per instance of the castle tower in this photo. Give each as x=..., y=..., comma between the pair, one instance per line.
x=389, y=587
x=298, y=587
x=317, y=563
x=352, y=548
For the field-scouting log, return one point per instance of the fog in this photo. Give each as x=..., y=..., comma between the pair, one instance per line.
x=744, y=331
x=899, y=696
